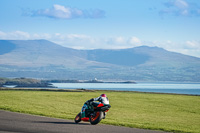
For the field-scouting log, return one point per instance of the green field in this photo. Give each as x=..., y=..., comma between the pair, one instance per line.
x=177, y=113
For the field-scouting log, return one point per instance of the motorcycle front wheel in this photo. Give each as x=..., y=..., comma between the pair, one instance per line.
x=95, y=119
x=78, y=118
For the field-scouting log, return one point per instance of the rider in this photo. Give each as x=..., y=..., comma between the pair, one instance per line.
x=102, y=98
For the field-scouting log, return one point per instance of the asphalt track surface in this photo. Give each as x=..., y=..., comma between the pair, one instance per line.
x=11, y=122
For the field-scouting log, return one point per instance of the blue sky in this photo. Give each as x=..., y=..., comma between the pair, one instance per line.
x=106, y=24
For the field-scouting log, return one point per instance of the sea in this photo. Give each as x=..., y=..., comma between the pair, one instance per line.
x=176, y=88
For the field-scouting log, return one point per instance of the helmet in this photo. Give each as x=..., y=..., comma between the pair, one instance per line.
x=104, y=99
x=103, y=95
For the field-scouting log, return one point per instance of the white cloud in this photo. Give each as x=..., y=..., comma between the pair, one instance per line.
x=188, y=47
x=180, y=8
x=77, y=41
x=2, y=35
x=135, y=41
x=120, y=40
x=181, y=4
x=61, y=8
x=15, y=35
x=57, y=11
x=63, y=12
x=193, y=44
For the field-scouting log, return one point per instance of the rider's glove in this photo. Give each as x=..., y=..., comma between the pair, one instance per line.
x=89, y=102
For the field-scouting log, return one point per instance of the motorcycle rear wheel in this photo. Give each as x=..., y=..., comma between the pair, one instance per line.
x=96, y=118
x=78, y=118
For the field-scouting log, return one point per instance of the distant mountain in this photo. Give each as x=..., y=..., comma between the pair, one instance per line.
x=39, y=53
x=123, y=57
x=44, y=59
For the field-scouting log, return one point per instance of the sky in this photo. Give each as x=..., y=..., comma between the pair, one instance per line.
x=105, y=24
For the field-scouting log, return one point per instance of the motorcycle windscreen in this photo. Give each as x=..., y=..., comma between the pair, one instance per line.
x=83, y=110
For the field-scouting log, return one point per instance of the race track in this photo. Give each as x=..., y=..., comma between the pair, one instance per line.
x=11, y=122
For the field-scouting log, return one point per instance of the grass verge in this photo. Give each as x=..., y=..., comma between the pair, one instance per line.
x=176, y=113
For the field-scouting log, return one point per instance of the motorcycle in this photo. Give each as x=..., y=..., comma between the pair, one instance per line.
x=93, y=113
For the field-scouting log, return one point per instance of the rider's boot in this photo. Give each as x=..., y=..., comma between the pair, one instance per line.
x=104, y=115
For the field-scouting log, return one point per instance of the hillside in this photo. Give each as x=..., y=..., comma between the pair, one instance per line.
x=40, y=53
x=44, y=59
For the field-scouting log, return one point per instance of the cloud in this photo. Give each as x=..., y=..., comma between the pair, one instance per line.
x=135, y=41
x=2, y=34
x=180, y=8
x=190, y=47
x=120, y=40
x=15, y=35
x=63, y=12
x=193, y=44
x=181, y=4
